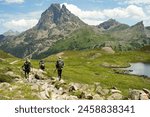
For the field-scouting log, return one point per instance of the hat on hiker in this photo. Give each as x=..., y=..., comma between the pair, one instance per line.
x=27, y=60
x=59, y=57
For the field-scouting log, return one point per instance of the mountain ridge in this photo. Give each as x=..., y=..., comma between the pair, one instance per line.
x=58, y=26
x=45, y=33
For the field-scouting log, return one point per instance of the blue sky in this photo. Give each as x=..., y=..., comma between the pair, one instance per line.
x=20, y=15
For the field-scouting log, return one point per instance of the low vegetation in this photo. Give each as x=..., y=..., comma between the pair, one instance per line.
x=88, y=66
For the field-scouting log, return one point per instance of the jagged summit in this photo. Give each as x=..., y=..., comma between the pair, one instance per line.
x=57, y=15
x=139, y=26
x=55, y=24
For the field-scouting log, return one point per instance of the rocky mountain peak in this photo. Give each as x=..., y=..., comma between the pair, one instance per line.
x=108, y=24
x=138, y=26
x=11, y=33
x=56, y=15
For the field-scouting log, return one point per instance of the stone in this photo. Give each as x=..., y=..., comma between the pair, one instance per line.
x=103, y=92
x=47, y=93
x=97, y=97
x=71, y=89
x=135, y=94
x=89, y=96
x=37, y=76
x=115, y=96
x=4, y=85
x=45, y=86
x=108, y=50
x=86, y=87
x=143, y=96
x=52, y=78
x=71, y=98
x=114, y=88
x=98, y=89
x=35, y=87
x=76, y=85
x=43, y=96
x=10, y=73
x=115, y=91
x=54, y=96
x=146, y=90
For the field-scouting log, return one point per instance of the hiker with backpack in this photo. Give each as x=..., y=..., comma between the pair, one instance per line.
x=59, y=67
x=26, y=68
x=42, y=65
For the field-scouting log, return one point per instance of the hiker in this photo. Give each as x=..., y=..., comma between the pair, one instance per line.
x=26, y=68
x=42, y=65
x=59, y=67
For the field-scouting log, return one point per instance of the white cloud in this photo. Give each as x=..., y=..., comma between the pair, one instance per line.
x=97, y=16
x=20, y=25
x=19, y=21
x=136, y=2
x=89, y=17
x=14, y=1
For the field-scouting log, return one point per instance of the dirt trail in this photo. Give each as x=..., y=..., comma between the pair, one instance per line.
x=14, y=62
x=60, y=54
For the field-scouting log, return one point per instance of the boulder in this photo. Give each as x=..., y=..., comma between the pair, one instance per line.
x=146, y=90
x=115, y=96
x=108, y=50
x=138, y=95
x=10, y=73
x=35, y=87
x=115, y=91
x=71, y=89
x=97, y=97
x=4, y=85
x=76, y=85
x=103, y=92
x=134, y=94
x=43, y=96
x=144, y=96
x=88, y=96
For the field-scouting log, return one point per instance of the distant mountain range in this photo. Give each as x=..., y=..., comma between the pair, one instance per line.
x=58, y=30
x=9, y=34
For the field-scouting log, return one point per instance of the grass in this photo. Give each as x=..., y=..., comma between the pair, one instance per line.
x=81, y=67
x=87, y=67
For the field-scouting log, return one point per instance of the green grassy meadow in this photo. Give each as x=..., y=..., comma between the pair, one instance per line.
x=87, y=67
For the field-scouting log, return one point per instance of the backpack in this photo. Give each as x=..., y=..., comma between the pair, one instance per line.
x=42, y=63
x=60, y=64
x=26, y=66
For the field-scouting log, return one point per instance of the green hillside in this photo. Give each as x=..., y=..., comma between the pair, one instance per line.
x=86, y=66
x=4, y=55
x=83, y=38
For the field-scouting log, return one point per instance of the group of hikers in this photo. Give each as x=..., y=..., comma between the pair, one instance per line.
x=27, y=67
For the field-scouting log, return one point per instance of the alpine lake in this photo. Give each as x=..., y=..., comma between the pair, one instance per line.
x=141, y=69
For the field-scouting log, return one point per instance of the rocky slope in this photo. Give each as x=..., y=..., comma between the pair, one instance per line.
x=86, y=75
x=127, y=38
x=113, y=25
x=58, y=30
x=39, y=86
x=11, y=33
x=55, y=23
